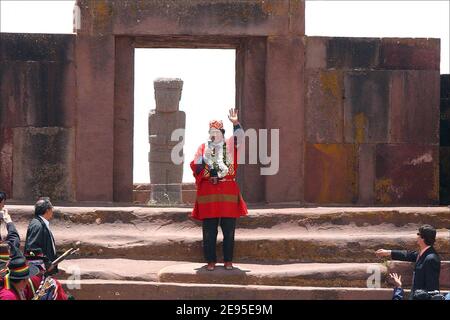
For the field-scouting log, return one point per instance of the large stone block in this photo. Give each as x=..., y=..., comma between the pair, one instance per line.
x=168, y=94
x=366, y=174
x=123, y=119
x=38, y=94
x=406, y=174
x=162, y=125
x=285, y=111
x=43, y=163
x=316, y=52
x=353, y=53
x=366, y=106
x=324, y=106
x=251, y=73
x=198, y=17
x=331, y=173
x=6, y=160
x=410, y=54
x=95, y=118
x=414, y=112
x=37, y=47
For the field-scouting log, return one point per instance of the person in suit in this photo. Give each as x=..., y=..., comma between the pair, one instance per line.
x=427, y=261
x=39, y=235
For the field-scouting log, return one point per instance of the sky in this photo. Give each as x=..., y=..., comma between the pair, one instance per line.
x=208, y=75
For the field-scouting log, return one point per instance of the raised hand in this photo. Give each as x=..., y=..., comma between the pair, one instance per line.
x=383, y=253
x=397, y=279
x=233, y=116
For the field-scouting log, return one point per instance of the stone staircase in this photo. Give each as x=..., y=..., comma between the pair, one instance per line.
x=280, y=253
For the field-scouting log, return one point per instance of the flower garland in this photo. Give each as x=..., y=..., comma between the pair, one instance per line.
x=218, y=161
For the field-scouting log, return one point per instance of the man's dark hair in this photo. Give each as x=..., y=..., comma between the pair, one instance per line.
x=2, y=196
x=428, y=234
x=42, y=205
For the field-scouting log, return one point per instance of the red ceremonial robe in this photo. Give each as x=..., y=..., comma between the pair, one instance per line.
x=222, y=200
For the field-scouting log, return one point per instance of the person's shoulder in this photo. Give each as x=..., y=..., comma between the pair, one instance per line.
x=432, y=256
x=35, y=222
x=6, y=294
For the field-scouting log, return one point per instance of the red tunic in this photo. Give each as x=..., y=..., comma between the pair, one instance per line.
x=222, y=200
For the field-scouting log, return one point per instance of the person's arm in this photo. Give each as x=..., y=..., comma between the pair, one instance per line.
x=34, y=237
x=431, y=271
x=404, y=255
x=13, y=237
x=398, y=294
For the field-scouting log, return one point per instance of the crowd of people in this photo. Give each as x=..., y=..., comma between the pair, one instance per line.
x=29, y=275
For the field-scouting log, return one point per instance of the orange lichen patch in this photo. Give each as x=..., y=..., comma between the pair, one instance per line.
x=330, y=83
x=337, y=173
x=360, y=123
x=102, y=12
x=383, y=189
x=277, y=8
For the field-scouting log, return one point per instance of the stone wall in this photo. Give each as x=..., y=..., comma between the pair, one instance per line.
x=372, y=121
x=358, y=117
x=37, y=105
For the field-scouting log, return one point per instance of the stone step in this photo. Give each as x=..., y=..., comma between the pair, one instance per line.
x=259, y=217
x=268, y=245
x=361, y=275
x=141, y=290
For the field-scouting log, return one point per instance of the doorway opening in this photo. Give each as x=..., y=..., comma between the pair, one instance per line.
x=208, y=92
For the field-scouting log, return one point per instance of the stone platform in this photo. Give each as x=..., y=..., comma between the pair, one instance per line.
x=300, y=253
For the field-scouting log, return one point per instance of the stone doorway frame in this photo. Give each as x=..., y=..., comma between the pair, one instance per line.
x=124, y=103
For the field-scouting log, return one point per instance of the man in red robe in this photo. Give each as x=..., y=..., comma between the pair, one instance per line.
x=219, y=201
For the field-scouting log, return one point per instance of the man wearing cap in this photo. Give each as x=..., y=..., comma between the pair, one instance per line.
x=219, y=201
x=17, y=279
x=427, y=262
x=39, y=235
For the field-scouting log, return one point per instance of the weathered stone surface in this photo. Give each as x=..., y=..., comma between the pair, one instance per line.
x=39, y=94
x=199, y=17
x=95, y=118
x=414, y=112
x=131, y=290
x=6, y=160
x=162, y=124
x=324, y=106
x=37, y=47
x=168, y=94
x=165, y=172
x=307, y=274
x=331, y=173
x=123, y=119
x=366, y=173
x=410, y=54
x=43, y=162
x=352, y=53
x=316, y=52
x=251, y=72
x=285, y=91
x=444, y=123
x=366, y=106
x=406, y=174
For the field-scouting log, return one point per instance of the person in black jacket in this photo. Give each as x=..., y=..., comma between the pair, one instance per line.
x=39, y=235
x=427, y=262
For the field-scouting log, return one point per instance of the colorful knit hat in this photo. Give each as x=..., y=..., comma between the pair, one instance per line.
x=216, y=124
x=18, y=269
x=4, y=252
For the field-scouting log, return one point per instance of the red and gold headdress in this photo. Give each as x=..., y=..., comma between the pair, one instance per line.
x=216, y=124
